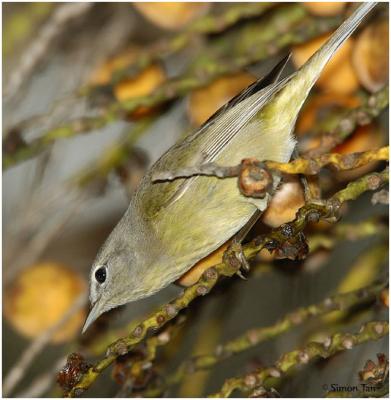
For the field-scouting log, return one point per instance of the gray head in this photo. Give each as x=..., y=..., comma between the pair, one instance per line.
x=115, y=273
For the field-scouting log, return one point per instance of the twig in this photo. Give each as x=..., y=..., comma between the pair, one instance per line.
x=114, y=156
x=254, y=337
x=136, y=370
x=41, y=239
x=289, y=25
x=277, y=240
x=310, y=166
x=208, y=169
x=154, y=321
x=22, y=151
x=55, y=25
x=252, y=42
x=354, y=189
x=334, y=131
x=19, y=369
x=228, y=17
x=205, y=25
x=58, y=108
x=338, y=342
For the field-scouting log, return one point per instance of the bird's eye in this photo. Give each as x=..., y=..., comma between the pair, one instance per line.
x=100, y=274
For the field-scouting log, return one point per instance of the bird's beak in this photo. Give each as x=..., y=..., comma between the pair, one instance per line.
x=95, y=312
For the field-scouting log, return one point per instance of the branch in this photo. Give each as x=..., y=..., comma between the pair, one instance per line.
x=354, y=189
x=255, y=177
x=214, y=60
x=334, y=131
x=134, y=370
x=114, y=156
x=16, y=149
x=288, y=25
x=254, y=337
x=205, y=25
x=289, y=361
x=56, y=24
x=281, y=239
x=227, y=17
x=338, y=131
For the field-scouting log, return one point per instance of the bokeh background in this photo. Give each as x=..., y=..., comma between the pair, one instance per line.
x=72, y=159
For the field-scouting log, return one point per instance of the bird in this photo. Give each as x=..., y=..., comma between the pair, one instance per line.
x=170, y=226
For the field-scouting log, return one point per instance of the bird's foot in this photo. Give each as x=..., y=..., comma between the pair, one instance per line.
x=236, y=250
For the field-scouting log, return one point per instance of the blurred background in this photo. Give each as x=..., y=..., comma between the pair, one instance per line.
x=95, y=93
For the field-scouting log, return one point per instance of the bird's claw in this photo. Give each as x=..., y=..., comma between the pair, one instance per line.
x=237, y=251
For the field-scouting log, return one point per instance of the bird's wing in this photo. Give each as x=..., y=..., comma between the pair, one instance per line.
x=207, y=142
x=255, y=87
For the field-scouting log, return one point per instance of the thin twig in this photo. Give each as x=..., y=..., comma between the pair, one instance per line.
x=55, y=25
x=338, y=342
x=255, y=336
x=288, y=25
x=204, y=25
x=41, y=239
x=114, y=156
x=306, y=166
x=334, y=131
x=134, y=370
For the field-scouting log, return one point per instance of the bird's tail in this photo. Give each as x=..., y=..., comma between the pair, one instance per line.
x=314, y=66
x=293, y=94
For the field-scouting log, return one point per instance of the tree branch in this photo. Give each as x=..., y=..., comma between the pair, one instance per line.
x=57, y=22
x=253, y=337
x=334, y=131
x=305, y=166
x=205, y=25
x=336, y=343
x=288, y=25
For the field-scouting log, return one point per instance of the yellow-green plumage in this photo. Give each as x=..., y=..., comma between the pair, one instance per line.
x=169, y=226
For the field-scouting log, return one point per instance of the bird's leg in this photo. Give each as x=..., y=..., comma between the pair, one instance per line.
x=312, y=193
x=308, y=195
x=310, y=184
x=236, y=245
